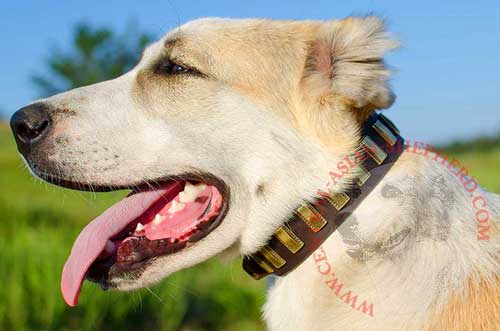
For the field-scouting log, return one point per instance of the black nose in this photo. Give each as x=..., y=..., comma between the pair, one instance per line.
x=29, y=124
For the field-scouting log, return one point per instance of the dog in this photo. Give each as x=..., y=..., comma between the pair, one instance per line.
x=221, y=130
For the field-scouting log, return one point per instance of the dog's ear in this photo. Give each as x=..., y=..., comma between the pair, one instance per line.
x=345, y=68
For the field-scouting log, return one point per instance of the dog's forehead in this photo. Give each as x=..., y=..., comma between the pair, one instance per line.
x=210, y=34
x=206, y=30
x=202, y=36
x=210, y=25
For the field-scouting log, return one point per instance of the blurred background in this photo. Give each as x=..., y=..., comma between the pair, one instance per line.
x=447, y=82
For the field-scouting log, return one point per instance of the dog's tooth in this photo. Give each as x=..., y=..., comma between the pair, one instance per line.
x=176, y=206
x=191, y=192
x=139, y=227
x=158, y=219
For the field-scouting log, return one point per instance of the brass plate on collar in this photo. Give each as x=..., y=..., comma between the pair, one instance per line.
x=389, y=123
x=311, y=217
x=363, y=176
x=263, y=264
x=338, y=200
x=276, y=260
x=289, y=239
x=376, y=153
x=384, y=132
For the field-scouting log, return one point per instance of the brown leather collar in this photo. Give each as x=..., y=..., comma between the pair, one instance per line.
x=312, y=223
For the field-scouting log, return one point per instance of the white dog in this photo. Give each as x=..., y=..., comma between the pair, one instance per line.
x=225, y=128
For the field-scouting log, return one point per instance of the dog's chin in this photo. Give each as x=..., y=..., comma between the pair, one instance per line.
x=124, y=284
x=139, y=232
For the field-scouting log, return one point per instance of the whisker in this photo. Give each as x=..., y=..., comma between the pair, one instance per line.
x=154, y=294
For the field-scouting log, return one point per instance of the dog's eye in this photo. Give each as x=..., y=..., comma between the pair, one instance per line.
x=171, y=68
x=178, y=69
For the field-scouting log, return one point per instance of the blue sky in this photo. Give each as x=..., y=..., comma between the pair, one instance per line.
x=448, y=73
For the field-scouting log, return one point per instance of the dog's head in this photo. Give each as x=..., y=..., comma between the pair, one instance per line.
x=221, y=129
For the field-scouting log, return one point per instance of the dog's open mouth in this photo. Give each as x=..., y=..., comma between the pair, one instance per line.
x=146, y=224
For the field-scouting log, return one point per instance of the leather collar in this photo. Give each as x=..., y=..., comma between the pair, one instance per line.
x=312, y=223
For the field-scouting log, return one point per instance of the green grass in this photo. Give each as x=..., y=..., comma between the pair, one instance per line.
x=484, y=166
x=481, y=156
x=39, y=223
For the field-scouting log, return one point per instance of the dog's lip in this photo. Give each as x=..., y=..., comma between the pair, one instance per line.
x=72, y=274
x=134, y=187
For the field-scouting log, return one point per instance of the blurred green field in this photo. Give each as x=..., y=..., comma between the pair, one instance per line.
x=40, y=222
x=484, y=167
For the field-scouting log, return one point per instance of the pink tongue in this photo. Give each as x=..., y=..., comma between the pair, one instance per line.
x=92, y=240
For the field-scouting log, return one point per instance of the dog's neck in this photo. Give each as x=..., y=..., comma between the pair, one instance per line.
x=312, y=223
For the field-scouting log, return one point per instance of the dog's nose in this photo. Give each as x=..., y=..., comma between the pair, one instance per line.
x=29, y=124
